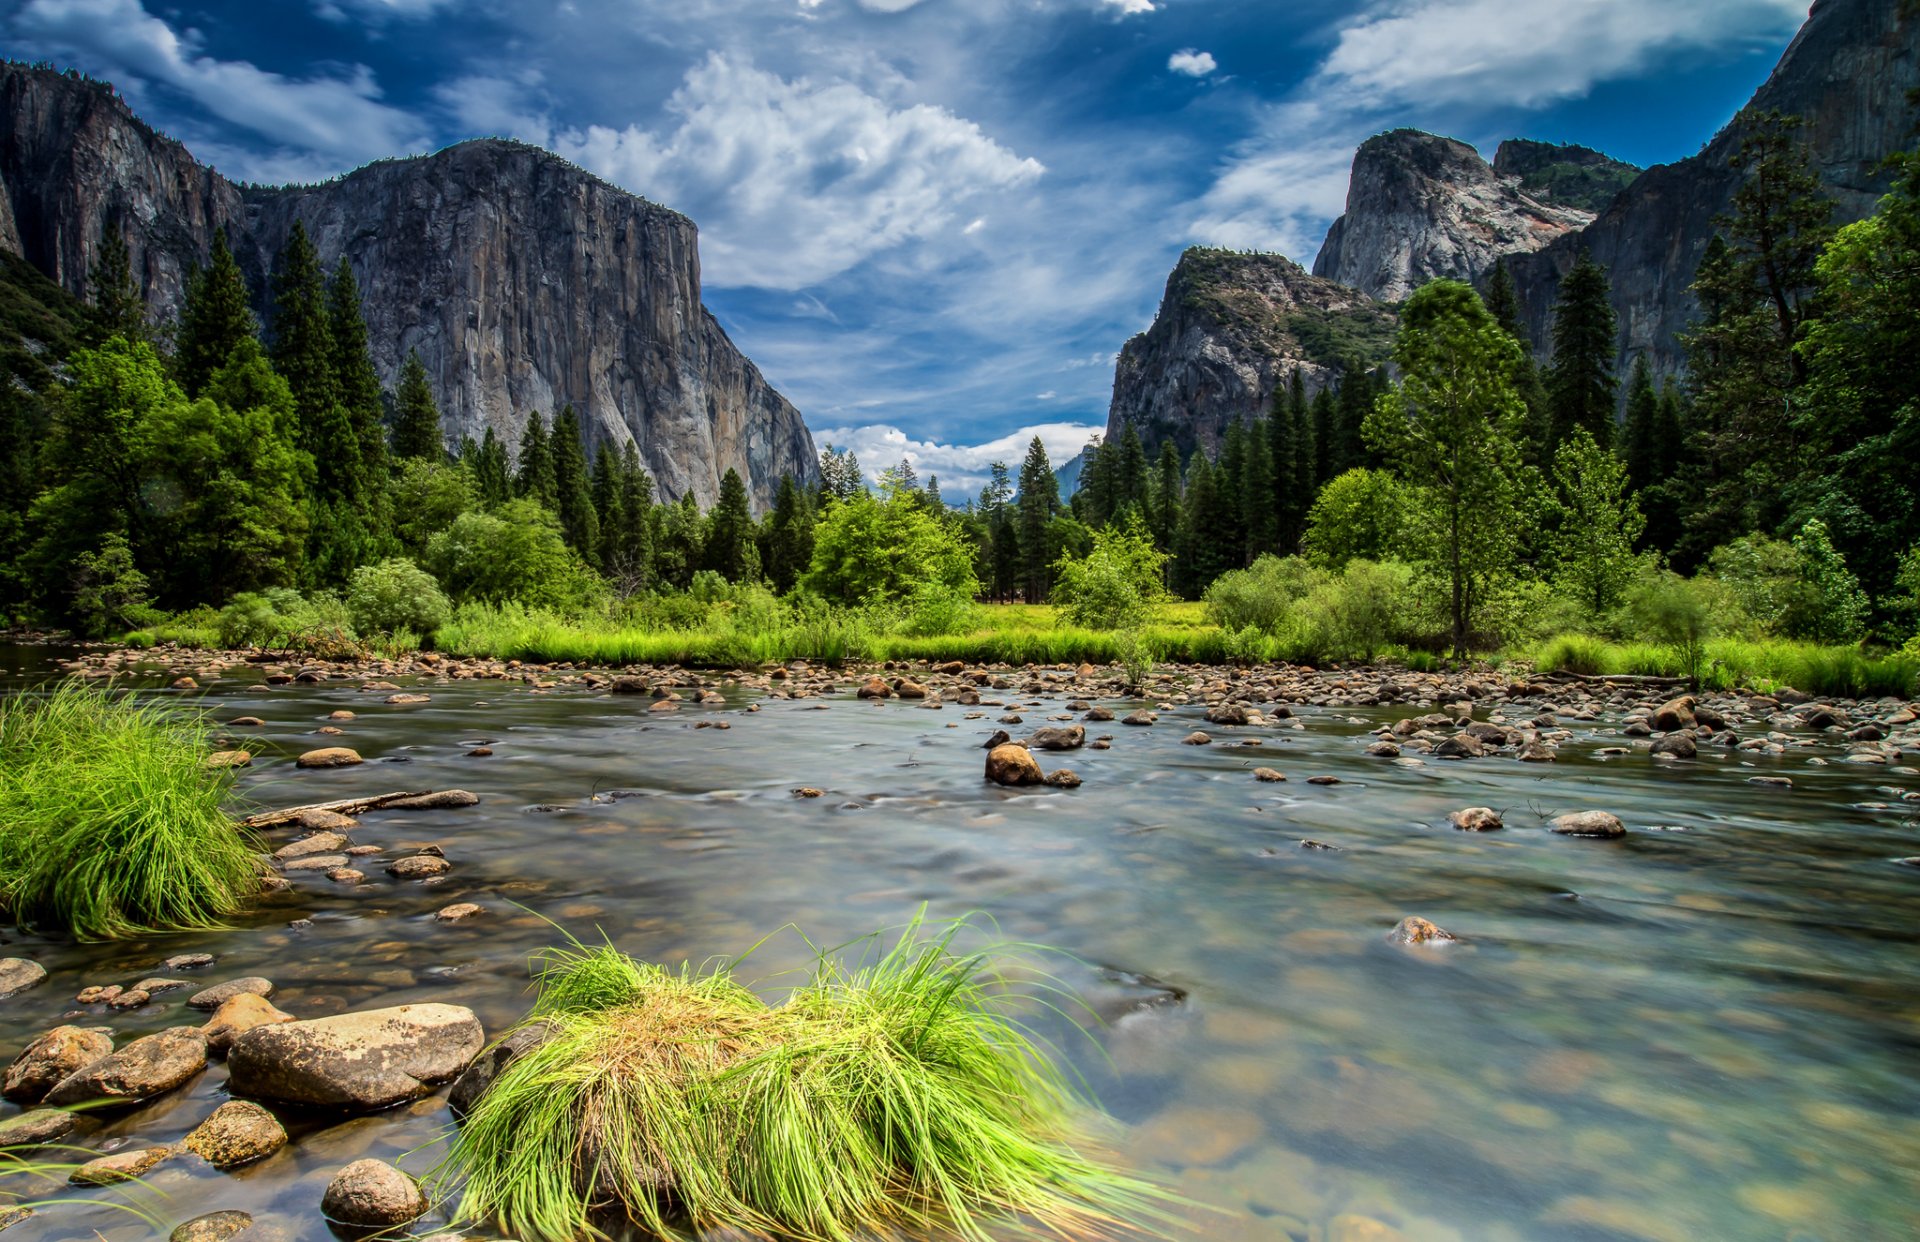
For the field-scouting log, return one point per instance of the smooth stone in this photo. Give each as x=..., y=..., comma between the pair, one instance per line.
x=1008, y=764
x=236, y=1016
x=1476, y=819
x=145, y=1068
x=357, y=1061
x=1416, y=930
x=17, y=974
x=235, y=1134
x=329, y=757
x=61, y=1052
x=1601, y=824
x=372, y=1194
x=213, y=1227
x=219, y=994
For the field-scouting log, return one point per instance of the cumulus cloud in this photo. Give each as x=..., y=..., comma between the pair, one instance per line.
x=795, y=180
x=1193, y=63
x=963, y=468
x=323, y=121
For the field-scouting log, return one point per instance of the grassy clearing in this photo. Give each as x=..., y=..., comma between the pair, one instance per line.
x=1831, y=671
x=898, y=1094
x=111, y=824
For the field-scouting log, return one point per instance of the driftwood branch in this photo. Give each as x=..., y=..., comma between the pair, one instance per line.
x=344, y=806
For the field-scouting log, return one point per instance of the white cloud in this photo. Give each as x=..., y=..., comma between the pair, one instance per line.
x=963, y=468
x=339, y=119
x=1192, y=63
x=795, y=180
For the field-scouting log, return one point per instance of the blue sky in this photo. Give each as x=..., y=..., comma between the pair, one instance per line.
x=931, y=222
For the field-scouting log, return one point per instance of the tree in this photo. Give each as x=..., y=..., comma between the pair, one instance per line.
x=1581, y=388
x=1039, y=499
x=1360, y=515
x=534, y=479
x=789, y=536
x=359, y=382
x=214, y=317
x=119, y=309
x=1599, y=522
x=1449, y=428
x=573, y=496
x=416, y=416
x=730, y=550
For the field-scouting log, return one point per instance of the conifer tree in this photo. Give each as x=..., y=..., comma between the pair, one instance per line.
x=492, y=476
x=119, y=309
x=534, y=478
x=416, y=416
x=1581, y=386
x=1039, y=500
x=730, y=550
x=573, y=495
x=359, y=382
x=214, y=318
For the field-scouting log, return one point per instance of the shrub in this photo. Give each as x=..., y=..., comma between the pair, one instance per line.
x=395, y=595
x=1117, y=583
x=1262, y=596
x=110, y=820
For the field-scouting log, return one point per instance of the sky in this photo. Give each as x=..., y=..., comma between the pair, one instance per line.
x=932, y=223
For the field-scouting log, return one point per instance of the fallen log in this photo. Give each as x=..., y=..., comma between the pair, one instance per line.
x=342, y=806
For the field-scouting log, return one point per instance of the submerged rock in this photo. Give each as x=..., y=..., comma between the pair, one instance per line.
x=356, y=1061
x=372, y=1194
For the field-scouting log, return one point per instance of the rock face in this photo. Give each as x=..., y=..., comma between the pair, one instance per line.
x=1421, y=207
x=356, y=1061
x=1230, y=329
x=523, y=281
x=1847, y=74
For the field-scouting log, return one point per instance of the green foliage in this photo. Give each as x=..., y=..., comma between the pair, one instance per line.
x=1591, y=548
x=886, y=1095
x=515, y=554
x=395, y=595
x=1117, y=584
x=1359, y=514
x=865, y=548
x=110, y=820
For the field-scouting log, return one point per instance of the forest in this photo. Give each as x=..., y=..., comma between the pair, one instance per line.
x=206, y=482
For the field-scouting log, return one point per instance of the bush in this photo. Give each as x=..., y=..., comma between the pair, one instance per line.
x=395, y=595
x=111, y=823
x=1117, y=583
x=1262, y=596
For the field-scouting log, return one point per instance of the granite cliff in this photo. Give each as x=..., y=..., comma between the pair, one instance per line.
x=523, y=281
x=1231, y=328
x=1422, y=207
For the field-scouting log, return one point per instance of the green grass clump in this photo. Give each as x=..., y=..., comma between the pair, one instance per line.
x=111, y=824
x=898, y=1094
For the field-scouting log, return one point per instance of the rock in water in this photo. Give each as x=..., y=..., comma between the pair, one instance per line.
x=62, y=1051
x=372, y=1194
x=140, y=1071
x=1589, y=824
x=1008, y=764
x=238, y=1133
x=358, y=1062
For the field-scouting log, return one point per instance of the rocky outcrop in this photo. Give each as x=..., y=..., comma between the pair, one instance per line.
x=1231, y=328
x=523, y=281
x=1421, y=207
x=1847, y=74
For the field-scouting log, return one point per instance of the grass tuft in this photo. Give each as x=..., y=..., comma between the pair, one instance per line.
x=901, y=1093
x=111, y=824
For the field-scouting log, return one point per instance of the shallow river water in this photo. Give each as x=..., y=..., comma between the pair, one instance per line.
x=1709, y=1029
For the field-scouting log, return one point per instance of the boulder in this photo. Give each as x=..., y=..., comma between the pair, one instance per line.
x=1602, y=824
x=1008, y=764
x=138, y=1072
x=236, y=1016
x=1416, y=930
x=372, y=1194
x=1476, y=819
x=1052, y=737
x=236, y=1133
x=62, y=1051
x=329, y=757
x=356, y=1061
x=17, y=974
x=210, y=999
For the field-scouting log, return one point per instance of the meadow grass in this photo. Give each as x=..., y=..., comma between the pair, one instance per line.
x=896, y=1093
x=111, y=824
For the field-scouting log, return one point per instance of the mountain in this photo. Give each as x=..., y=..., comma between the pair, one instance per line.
x=1848, y=74
x=1230, y=328
x=523, y=281
x=1420, y=207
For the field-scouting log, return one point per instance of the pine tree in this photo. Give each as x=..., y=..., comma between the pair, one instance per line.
x=492, y=476
x=1039, y=501
x=1581, y=386
x=359, y=382
x=118, y=307
x=573, y=495
x=534, y=475
x=214, y=318
x=416, y=416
